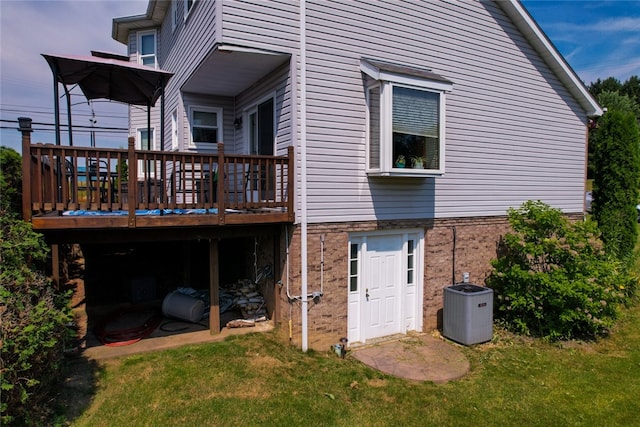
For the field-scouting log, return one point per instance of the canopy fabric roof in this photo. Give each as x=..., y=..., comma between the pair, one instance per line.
x=110, y=78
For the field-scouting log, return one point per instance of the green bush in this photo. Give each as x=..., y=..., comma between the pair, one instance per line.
x=553, y=278
x=10, y=180
x=616, y=169
x=33, y=325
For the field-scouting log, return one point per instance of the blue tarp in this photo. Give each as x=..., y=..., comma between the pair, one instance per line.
x=142, y=212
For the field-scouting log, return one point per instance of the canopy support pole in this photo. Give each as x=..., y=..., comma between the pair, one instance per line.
x=70, y=129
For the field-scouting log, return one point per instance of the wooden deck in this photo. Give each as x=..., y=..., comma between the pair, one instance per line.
x=96, y=188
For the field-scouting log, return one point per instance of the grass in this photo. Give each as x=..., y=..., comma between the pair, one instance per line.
x=255, y=379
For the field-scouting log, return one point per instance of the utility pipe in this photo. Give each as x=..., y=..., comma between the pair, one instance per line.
x=303, y=172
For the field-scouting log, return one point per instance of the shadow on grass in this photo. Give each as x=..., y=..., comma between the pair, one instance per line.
x=78, y=386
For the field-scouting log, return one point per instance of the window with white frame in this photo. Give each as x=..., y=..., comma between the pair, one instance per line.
x=206, y=125
x=411, y=267
x=261, y=127
x=146, y=141
x=354, y=251
x=147, y=48
x=174, y=131
x=188, y=5
x=405, y=121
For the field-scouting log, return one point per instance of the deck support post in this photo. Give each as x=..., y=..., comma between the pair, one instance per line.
x=214, y=282
x=24, y=124
x=290, y=186
x=133, y=181
x=221, y=197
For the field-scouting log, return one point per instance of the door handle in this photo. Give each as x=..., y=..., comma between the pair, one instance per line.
x=366, y=293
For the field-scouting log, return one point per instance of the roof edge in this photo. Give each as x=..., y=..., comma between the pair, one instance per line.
x=539, y=40
x=156, y=11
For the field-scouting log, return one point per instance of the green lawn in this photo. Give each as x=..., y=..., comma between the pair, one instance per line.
x=258, y=380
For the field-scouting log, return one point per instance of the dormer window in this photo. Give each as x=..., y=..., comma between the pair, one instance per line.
x=406, y=120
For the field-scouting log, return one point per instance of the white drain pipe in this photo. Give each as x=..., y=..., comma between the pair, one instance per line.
x=303, y=173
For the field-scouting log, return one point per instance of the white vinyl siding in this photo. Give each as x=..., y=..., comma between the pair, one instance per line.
x=513, y=132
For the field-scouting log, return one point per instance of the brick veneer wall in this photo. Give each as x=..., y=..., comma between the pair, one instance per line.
x=476, y=242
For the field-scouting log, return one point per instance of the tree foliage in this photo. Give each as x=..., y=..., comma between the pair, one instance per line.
x=616, y=161
x=10, y=180
x=630, y=88
x=554, y=279
x=34, y=321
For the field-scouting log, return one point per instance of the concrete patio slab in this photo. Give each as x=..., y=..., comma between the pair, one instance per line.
x=417, y=358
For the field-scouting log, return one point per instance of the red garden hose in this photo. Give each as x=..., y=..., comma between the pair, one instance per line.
x=121, y=337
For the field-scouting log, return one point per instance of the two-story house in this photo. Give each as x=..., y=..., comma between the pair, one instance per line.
x=415, y=125
x=411, y=128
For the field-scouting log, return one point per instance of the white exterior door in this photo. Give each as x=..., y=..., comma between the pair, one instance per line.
x=385, y=295
x=382, y=287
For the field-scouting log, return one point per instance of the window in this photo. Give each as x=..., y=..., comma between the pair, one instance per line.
x=353, y=267
x=206, y=125
x=174, y=15
x=174, y=131
x=411, y=268
x=144, y=142
x=147, y=48
x=261, y=128
x=405, y=120
x=188, y=5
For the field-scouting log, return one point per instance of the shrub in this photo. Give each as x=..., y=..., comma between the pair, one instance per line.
x=553, y=278
x=616, y=169
x=33, y=325
x=10, y=180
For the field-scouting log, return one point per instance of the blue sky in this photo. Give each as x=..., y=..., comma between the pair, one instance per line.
x=598, y=38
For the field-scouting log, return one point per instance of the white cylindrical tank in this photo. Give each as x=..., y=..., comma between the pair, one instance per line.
x=184, y=307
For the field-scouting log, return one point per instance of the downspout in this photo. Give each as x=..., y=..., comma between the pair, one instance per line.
x=303, y=174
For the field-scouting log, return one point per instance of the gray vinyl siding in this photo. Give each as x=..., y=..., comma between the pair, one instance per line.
x=263, y=24
x=179, y=52
x=186, y=47
x=513, y=132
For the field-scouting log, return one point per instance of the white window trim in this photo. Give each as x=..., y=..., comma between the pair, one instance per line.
x=139, y=147
x=219, y=112
x=246, y=123
x=386, y=83
x=175, y=135
x=155, y=46
x=187, y=10
x=139, y=138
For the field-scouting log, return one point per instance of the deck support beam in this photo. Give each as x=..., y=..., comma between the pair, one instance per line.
x=214, y=282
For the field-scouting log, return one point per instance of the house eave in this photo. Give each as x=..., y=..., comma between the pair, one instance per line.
x=156, y=11
x=538, y=39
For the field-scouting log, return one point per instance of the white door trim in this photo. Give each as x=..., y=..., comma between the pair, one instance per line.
x=411, y=294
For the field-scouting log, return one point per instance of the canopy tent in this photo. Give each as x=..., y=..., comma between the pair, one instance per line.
x=108, y=76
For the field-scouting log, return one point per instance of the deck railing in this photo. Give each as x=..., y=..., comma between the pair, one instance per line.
x=59, y=179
